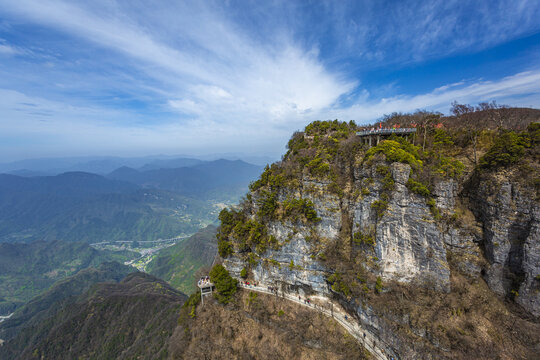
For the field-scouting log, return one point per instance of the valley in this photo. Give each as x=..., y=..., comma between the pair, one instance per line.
x=147, y=249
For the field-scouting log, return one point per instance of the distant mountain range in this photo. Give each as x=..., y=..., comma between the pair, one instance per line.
x=128, y=204
x=206, y=179
x=105, y=164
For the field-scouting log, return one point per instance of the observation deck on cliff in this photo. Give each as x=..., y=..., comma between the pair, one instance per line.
x=206, y=287
x=374, y=136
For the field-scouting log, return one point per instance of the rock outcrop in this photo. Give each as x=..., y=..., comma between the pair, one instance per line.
x=510, y=215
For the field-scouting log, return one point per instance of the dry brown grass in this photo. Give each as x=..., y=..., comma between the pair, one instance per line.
x=470, y=322
x=265, y=328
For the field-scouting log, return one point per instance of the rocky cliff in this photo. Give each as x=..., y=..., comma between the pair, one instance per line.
x=432, y=254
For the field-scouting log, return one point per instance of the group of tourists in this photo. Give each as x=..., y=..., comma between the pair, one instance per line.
x=205, y=280
x=248, y=284
x=306, y=300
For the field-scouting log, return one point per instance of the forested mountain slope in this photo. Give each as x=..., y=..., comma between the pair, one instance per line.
x=37, y=310
x=180, y=263
x=125, y=320
x=28, y=269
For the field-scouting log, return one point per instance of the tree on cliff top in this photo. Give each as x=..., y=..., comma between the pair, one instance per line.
x=225, y=284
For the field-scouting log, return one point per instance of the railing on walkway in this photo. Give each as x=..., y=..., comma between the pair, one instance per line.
x=386, y=131
x=367, y=339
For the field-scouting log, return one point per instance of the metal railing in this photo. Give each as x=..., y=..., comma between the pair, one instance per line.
x=386, y=131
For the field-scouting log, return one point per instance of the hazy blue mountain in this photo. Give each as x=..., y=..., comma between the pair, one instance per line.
x=219, y=179
x=89, y=207
x=93, y=164
x=169, y=163
x=29, y=173
x=106, y=164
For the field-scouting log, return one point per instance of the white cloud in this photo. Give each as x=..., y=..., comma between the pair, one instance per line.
x=510, y=90
x=106, y=131
x=8, y=50
x=223, y=64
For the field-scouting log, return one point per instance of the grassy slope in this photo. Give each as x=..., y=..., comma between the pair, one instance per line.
x=179, y=264
x=258, y=326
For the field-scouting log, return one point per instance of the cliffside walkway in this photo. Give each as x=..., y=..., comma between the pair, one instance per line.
x=354, y=329
x=374, y=136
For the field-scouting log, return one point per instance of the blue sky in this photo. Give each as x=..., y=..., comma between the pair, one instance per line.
x=198, y=77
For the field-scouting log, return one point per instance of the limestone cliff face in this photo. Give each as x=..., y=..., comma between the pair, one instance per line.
x=510, y=216
x=409, y=246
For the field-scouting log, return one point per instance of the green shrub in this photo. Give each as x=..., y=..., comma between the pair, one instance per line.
x=338, y=285
x=274, y=262
x=334, y=188
x=225, y=284
x=267, y=203
x=396, y=151
x=224, y=248
x=252, y=259
x=281, y=313
x=378, y=285
x=442, y=138
x=434, y=209
x=508, y=148
x=244, y=273
x=229, y=220
x=271, y=176
x=448, y=167
x=418, y=188
x=388, y=181
x=193, y=300
x=338, y=129
x=295, y=208
x=363, y=239
x=296, y=144
x=534, y=133
x=318, y=167
x=380, y=207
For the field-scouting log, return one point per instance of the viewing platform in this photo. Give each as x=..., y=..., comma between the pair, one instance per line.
x=206, y=286
x=374, y=136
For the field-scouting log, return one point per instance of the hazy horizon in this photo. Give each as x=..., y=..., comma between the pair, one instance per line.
x=130, y=78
